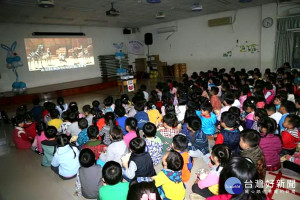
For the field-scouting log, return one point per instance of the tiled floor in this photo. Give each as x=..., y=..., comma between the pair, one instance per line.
x=22, y=177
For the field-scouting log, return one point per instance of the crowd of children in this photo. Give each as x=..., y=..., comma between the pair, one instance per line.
x=241, y=124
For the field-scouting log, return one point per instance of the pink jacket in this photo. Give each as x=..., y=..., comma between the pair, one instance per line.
x=271, y=97
x=40, y=139
x=242, y=99
x=271, y=147
x=129, y=136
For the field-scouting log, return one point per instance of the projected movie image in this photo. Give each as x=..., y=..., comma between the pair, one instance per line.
x=50, y=54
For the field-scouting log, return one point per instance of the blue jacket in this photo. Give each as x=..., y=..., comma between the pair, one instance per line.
x=121, y=122
x=82, y=138
x=232, y=139
x=142, y=118
x=208, y=124
x=198, y=141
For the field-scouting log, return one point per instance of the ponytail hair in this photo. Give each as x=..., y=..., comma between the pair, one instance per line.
x=62, y=141
x=222, y=152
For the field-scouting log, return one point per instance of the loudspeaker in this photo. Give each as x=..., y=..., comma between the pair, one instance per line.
x=148, y=39
x=126, y=31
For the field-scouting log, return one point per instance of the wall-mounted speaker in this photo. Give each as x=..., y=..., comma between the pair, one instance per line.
x=126, y=31
x=148, y=39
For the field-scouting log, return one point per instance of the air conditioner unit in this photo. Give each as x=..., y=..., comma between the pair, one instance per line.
x=169, y=29
x=294, y=11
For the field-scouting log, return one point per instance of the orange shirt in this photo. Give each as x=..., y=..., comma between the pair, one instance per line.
x=187, y=166
x=215, y=102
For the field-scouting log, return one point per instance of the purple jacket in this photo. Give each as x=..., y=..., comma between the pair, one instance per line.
x=271, y=146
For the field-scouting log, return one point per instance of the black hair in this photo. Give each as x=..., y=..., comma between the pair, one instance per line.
x=108, y=101
x=150, y=105
x=180, y=142
x=182, y=100
x=120, y=111
x=92, y=132
x=269, y=124
x=124, y=98
x=137, y=145
x=54, y=114
x=40, y=127
x=251, y=137
x=83, y=123
x=261, y=113
x=65, y=115
x=73, y=107
x=170, y=109
x=206, y=106
x=28, y=116
x=137, y=190
x=289, y=87
x=289, y=106
x=109, y=118
x=87, y=158
x=249, y=102
x=245, y=89
x=87, y=109
x=214, y=90
x=149, y=129
x=270, y=107
x=245, y=171
x=116, y=133
x=229, y=98
x=131, y=122
x=143, y=87
x=36, y=101
x=170, y=119
x=95, y=104
x=118, y=103
x=174, y=161
x=282, y=96
x=51, y=132
x=189, y=113
x=60, y=102
x=259, y=96
x=229, y=119
x=63, y=140
x=222, y=152
x=192, y=105
x=140, y=105
x=268, y=85
x=294, y=120
x=73, y=117
x=235, y=111
x=112, y=173
x=194, y=123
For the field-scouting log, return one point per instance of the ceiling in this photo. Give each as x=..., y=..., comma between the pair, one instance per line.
x=133, y=13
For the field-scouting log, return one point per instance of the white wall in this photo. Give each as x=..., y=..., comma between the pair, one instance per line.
x=103, y=39
x=202, y=47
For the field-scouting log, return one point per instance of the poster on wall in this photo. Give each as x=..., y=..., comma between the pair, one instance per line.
x=135, y=47
x=130, y=86
x=50, y=54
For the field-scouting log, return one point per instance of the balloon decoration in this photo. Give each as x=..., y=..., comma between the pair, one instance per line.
x=13, y=61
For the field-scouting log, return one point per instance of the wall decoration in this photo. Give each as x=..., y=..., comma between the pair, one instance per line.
x=119, y=54
x=246, y=47
x=13, y=61
x=135, y=47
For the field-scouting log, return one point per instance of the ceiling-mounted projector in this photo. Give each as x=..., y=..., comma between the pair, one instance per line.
x=197, y=7
x=46, y=3
x=160, y=15
x=112, y=12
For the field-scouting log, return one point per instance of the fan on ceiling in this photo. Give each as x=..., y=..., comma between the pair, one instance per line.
x=112, y=12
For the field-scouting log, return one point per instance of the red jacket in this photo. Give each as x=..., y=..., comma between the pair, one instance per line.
x=20, y=139
x=30, y=130
x=290, y=139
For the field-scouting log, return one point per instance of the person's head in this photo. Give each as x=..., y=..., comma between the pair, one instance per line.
x=60, y=101
x=229, y=99
x=108, y=101
x=137, y=145
x=244, y=170
x=249, y=105
x=51, y=132
x=180, y=142
x=130, y=124
x=143, y=87
x=124, y=99
x=182, y=101
x=73, y=107
x=249, y=138
x=36, y=101
x=170, y=120
x=73, y=117
x=189, y=113
x=140, y=105
x=270, y=108
x=172, y=160
x=244, y=90
x=19, y=121
x=86, y=109
x=143, y=191
x=95, y=104
x=220, y=154
x=194, y=124
x=87, y=158
x=54, y=114
x=206, y=108
x=92, y=132
x=40, y=127
x=65, y=115
x=120, y=111
x=280, y=97
x=149, y=129
x=235, y=111
x=62, y=140
x=150, y=105
x=109, y=118
x=229, y=120
x=267, y=125
x=83, y=123
x=287, y=107
x=259, y=95
x=116, y=133
x=214, y=90
x=260, y=114
x=112, y=173
x=28, y=117
x=291, y=121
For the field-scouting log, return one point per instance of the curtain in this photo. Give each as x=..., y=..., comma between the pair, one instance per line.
x=284, y=40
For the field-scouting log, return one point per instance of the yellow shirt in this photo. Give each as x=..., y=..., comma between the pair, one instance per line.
x=154, y=116
x=214, y=189
x=55, y=122
x=172, y=190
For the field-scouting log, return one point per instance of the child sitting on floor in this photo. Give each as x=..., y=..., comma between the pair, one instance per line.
x=30, y=126
x=109, y=106
x=109, y=122
x=66, y=123
x=20, y=138
x=113, y=188
x=49, y=146
x=94, y=144
x=121, y=118
x=82, y=136
x=131, y=126
x=180, y=144
x=153, y=114
x=40, y=131
x=87, y=113
x=153, y=144
x=55, y=120
x=141, y=116
x=291, y=134
x=168, y=181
